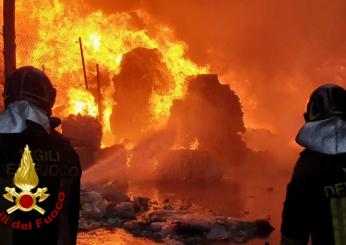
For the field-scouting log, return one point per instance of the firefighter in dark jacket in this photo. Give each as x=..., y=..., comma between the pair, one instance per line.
x=315, y=206
x=39, y=170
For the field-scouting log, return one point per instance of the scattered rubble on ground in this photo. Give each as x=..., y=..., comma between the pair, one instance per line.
x=168, y=222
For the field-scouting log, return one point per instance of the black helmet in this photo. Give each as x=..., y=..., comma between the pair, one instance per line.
x=326, y=101
x=32, y=84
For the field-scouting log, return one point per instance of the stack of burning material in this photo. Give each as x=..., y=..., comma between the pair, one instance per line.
x=210, y=112
x=143, y=75
x=84, y=133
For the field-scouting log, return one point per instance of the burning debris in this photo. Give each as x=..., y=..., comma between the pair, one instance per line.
x=167, y=129
x=143, y=91
x=201, y=138
x=210, y=112
x=143, y=75
x=168, y=222
x=148, y=64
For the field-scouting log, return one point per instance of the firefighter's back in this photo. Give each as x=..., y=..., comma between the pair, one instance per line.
x=315, y=205
x=58, y=170
x=39, y=170
x=325, y=180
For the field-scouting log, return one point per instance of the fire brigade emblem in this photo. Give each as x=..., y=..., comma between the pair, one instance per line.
x=26, y=179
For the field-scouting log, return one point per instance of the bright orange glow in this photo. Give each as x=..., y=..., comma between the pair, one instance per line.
x=105, y=39
x=194, y=145
x=81, y=102
x=96, y=41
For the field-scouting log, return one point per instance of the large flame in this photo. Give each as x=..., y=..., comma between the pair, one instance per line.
x=105, y=39
x=82, y=102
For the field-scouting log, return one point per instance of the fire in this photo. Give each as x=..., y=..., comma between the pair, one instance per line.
x=106, y=38
x=96, y=41
x=81, y=102
x=194, y=145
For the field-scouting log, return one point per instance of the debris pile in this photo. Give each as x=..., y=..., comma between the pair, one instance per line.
x=142, y=75
x=169, y=222
x=211, y=113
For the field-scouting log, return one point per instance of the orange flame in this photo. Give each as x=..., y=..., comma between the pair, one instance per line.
x=81, y=102
x=105, y=39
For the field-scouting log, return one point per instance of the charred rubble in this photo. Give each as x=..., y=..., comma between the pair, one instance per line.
x=169, y=222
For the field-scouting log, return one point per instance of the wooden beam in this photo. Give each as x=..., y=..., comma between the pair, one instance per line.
x=83, y=63
x=99, y=96
x=9, y=34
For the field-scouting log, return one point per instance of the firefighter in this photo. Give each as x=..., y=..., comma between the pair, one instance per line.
x=39, y=170
x=315, y=205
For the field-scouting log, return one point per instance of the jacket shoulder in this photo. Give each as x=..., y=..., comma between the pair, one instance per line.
x=60, y=139
x=308, y=164
x=64, y=144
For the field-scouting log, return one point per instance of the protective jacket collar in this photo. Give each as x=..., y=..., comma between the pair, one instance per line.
x=13, y=119
x=325, y=136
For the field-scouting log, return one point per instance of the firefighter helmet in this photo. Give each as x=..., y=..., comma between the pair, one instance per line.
x=31, y=84
x=326, y=101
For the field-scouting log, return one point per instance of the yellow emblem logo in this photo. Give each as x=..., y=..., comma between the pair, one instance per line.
x=26, y=179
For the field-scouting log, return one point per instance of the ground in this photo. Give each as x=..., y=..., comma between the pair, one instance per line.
x=258, y=196
x=110, y=237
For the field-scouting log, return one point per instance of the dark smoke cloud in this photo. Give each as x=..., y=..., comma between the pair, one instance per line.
x=273, y=53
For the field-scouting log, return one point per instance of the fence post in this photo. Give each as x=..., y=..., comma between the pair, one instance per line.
x=83, y=63
x=9, y=35
x=99, y=98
